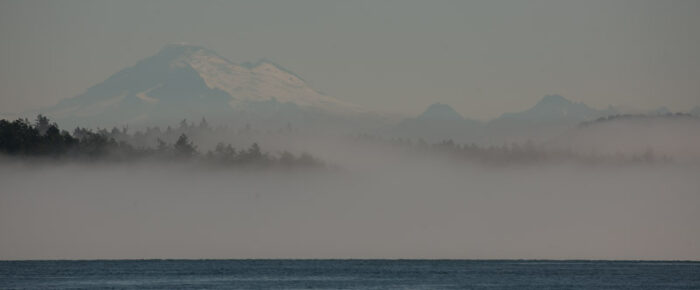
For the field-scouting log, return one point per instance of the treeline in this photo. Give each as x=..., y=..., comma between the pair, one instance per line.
x=640, y=117
x=42, y=138
x=150, y=136
x=511, y=154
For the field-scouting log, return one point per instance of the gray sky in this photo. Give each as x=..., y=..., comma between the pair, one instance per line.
x=482, y=57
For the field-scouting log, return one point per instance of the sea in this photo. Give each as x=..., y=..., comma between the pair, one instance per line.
x=348, y=274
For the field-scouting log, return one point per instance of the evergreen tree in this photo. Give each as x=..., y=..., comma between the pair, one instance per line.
x=184, y=146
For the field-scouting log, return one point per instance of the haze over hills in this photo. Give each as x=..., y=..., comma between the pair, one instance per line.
x=552, y=115
x=187, y=81
x=663, y=135
x=184, y=81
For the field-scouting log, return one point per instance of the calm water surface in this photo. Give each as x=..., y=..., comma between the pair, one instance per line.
x=348, y=274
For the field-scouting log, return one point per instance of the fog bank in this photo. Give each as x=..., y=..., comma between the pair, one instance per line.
x=411, y=209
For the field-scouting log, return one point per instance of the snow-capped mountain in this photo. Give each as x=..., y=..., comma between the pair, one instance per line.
x=187, y=81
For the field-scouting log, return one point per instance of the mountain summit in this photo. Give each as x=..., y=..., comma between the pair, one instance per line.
x=440, y=111
x=549, y=117
x=188, y=81
x=556, y=108
x=437, y=123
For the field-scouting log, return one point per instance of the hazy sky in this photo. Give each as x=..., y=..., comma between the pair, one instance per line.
x=482, y=57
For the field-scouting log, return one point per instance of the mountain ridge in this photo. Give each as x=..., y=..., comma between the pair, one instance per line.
x=550, y=116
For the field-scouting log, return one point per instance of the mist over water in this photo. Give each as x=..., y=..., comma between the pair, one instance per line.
x=620, y=187
x=375, y=207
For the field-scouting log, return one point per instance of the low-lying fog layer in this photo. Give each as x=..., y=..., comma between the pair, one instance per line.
x=409, y=208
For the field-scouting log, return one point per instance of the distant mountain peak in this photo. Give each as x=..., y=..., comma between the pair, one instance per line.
x=438, y=122
x=439, y=111
x=554, y=100
x=182, y=78
x=556, y=108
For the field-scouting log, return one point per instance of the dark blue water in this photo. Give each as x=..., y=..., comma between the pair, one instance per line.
x=348, y=274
